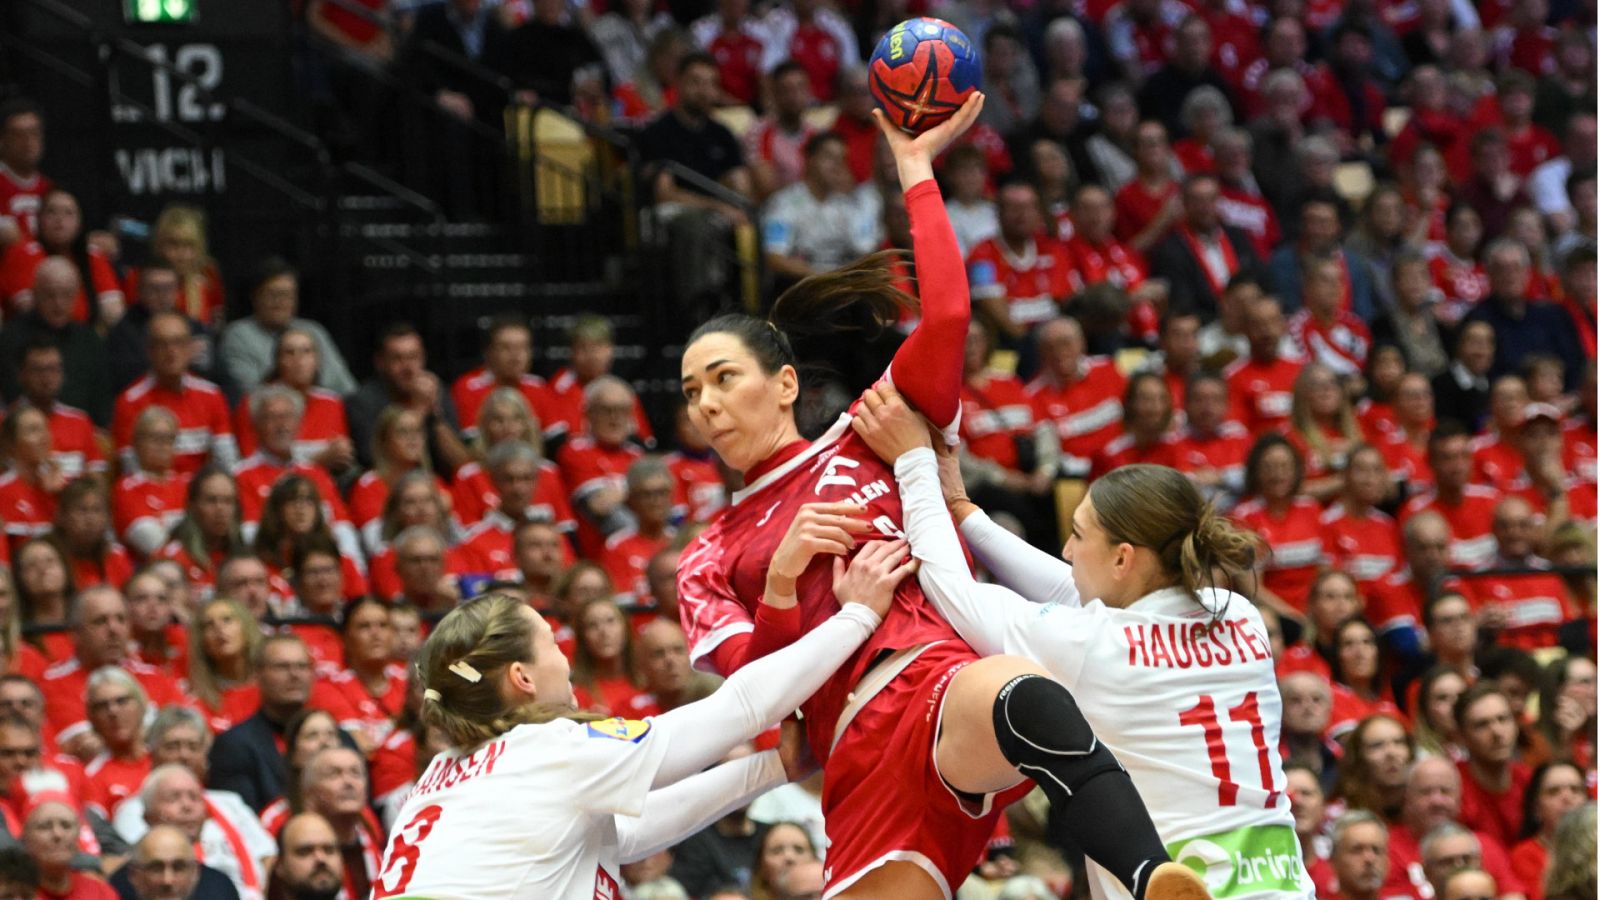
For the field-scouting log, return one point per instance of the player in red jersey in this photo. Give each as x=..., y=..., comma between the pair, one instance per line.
x=914, y=729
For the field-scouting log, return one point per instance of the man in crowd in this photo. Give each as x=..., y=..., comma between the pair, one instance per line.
x=87, y=382
x=247, y=344
x=401, y=377
x=205, y=432
x=309, y=865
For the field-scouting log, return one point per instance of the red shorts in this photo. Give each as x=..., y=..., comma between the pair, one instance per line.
x=882, y=797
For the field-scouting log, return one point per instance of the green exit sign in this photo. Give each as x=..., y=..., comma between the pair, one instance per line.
x=145, y=12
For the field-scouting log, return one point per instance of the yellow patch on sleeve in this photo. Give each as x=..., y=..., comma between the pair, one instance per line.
x=620, y=729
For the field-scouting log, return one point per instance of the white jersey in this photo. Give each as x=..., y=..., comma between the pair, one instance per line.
x=1185, y=696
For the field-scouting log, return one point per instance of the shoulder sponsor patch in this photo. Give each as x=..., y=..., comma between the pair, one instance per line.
x=620, y=729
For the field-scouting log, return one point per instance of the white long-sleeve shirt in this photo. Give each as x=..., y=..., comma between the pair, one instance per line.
x=552, y=810
x=1182, y=691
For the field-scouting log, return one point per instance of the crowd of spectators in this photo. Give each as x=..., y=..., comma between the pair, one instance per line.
x=1334, y=261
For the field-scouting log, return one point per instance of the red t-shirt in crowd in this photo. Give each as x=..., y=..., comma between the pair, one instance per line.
x=1262, y=392
x=627, y=554
x=73, y=445
x=1033, y=283
x=202, y=413
x=1498, y=815
x=698, y=491
x=323, y=421
x=1471, y=522
x=995, y=414
x=144, y=507
x=1295, y=543
x=1366, y=547
x=471, y=389
x=21, y=260
x=20, y=199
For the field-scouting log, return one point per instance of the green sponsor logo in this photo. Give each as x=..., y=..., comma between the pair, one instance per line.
x=1252, y=860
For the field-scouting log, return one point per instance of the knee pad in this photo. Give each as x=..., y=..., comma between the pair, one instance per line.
x=1042, y=732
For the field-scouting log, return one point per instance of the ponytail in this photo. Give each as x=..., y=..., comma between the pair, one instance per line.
x=1214, y=544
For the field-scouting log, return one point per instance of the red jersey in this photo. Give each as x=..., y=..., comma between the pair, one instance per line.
x=565, y=404
x=1122, y=450
x=995, y=414
x=324, y=643
x=323, y=421
x=738, y=56
x=367, y=500
x=1366, y=547
x=113, y=779
x=1528, y=861
x=698, y=489
x=1349, y=708
x=1262, y=393
x=201, y=574
x=257, y=474
x=20, y=199
x=347, y=699
x=1193, y=155
x=1033, y=283
x=1496, y=462
x=821, y=53
x=385, y=579
x=1110, y=261
x=203, y=429
x=1471, y=523
x=1535, y=604
x=145, y=507
x=722, y=575
x=486, y=548
x=393, y=764
x=627, y=554
x=1223, y=452
x=1341, y=345
x=475, y=497
x=1087, y=414
x=1376, y=419
x=115, y=569
x=65, y=683
x=1405, y=855
x=1581, y=499
x=22, y=259
x=26, y=510
x=1249, y=212
x=1579, y=438
x=235, y=704
x=73, y=445
x=587, y=467
x=615, y=697
x=471, y=389
x=1462, y=281
x=1137, y=206
x=1295, y=542
x=1406, y=461
x=1498, y=815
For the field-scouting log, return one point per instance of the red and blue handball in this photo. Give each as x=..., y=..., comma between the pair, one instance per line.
x=921, y=73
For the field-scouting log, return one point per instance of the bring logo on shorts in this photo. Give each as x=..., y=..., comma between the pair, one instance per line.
x=1246, y=862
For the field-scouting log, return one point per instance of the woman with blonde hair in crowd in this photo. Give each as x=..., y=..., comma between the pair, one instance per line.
x=399, y=447
x=504, y=416
x=179, y=240
x=223, y=643
x=1571, y=873
x=1434, y=713
x=1323, y=429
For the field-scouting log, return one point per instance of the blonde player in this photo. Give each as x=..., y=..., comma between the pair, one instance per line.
x=538, y=801
x=1176, y=678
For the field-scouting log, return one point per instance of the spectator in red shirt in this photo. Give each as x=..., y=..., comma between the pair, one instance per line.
x=116, y=705
x=1320, y=238
x=1079, y=394
x=98, y=300
x=148, y=502
x=29, y=490
x=371, y=690
x=628, y=552
x=335, y=786
x=1567, y=708
x=1211, y=448
x=1021, y=276
x=223, y=647
x=1467, y=507
x=204, y=433
x=1493, y=781
x=1525, y=610
x=1372, y=774
x=1324, y=331
x=1287, y=522
x=818, y=38
x=1148, y=205
x=593, y=347
x=44, y=590
x=208, y=533
x=1405, y=449
x=399, y=448
x=1323, y=430
x=421, y=565
x=293, y=513
x=1360, y=858
x=1242, y=205
x=522, y=492
x=1360, y=539
x=602, y=670
x=1554, y=789
x=402, y=378
x=22, y=185
x=75, y=445
x=1262, y=383
x=774, y=145
x=83, y=529
x=593, y=466
x=1436, y=699
x=50, y=829
x=415, y=500
x=540, y=553
x=739, y=43
x=158, y=638
x=1146, y=427
x=1360, y=679
x=507, y=356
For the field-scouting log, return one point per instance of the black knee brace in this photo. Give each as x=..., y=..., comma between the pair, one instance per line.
x=1042, y=733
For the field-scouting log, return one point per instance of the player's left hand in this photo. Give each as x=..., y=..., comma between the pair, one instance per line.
x=888, y=425
x=872, y=576
x=795, y=751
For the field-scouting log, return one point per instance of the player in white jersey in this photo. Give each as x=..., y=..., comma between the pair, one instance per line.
x=538, y=801
x=1177, y=679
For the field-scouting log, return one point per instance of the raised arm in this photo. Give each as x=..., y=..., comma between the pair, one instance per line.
x=676, y=811
x=927, y=367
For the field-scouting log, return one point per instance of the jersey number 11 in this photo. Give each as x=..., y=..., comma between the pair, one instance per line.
x=1204, y=714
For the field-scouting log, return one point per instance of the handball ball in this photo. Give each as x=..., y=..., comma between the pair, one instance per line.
x=921, y=73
